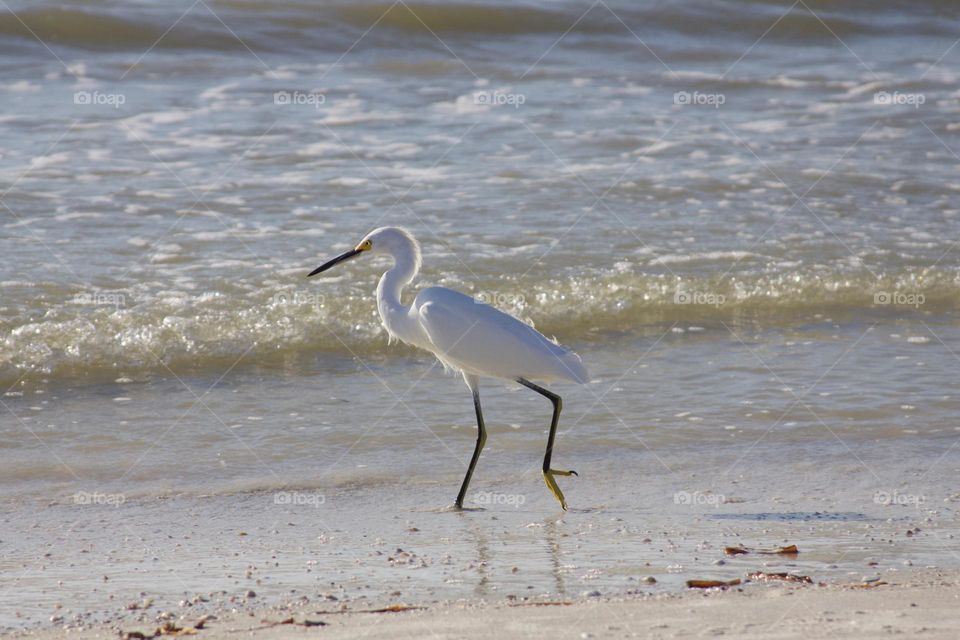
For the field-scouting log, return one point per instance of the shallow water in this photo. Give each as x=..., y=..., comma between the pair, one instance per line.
x=743, y=217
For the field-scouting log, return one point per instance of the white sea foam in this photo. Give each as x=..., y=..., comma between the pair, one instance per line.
x=710, y=256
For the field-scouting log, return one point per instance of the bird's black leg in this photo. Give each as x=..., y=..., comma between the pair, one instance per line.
x=481, y=440
x=548, y=473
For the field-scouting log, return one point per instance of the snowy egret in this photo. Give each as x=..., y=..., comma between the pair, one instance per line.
x=468, y=336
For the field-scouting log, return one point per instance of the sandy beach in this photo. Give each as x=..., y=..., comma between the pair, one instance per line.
x=246, y=562
x=912, y=604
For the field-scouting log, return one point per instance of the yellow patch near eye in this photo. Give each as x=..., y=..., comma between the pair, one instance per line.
x=366, y=245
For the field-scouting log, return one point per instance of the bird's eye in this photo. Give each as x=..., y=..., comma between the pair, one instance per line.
x=366, y=245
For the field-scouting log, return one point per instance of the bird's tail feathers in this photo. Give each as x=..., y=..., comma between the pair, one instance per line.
x=573, y=368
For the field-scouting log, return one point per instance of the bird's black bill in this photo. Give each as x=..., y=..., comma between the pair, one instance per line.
x=337, y=260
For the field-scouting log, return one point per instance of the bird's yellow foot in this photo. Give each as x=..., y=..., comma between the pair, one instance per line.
x=552, y=484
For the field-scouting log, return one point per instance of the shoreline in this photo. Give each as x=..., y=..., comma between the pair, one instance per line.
x=919, y=601
x=175, y=560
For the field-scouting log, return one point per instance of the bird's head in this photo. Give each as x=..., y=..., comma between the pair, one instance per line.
x=393, y=241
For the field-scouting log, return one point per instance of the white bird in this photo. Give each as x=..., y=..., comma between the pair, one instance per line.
x=467, y=335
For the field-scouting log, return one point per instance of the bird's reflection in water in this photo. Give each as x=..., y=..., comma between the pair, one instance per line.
x=551, y=531
x=482, y=562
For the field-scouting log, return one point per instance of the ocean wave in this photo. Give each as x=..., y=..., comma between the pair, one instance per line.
x=99, y=29
x=300, y=24
x=105, y=335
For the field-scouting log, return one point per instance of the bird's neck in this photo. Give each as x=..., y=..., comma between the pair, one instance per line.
x=389, y=289
x=392, y=311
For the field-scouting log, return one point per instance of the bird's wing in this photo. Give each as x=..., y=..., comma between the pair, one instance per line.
x=477, y=338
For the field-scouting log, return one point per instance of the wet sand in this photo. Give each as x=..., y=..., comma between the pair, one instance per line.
x=102, y=569
x=914, y=604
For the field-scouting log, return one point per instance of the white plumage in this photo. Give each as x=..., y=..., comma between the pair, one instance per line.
x=467, y=335
x=476, y=338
